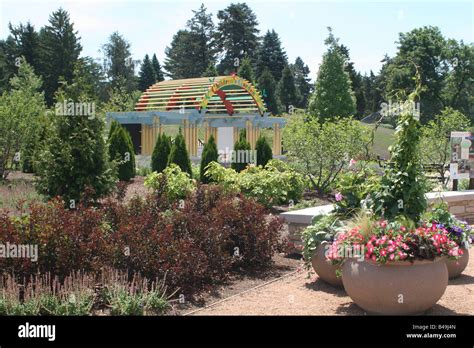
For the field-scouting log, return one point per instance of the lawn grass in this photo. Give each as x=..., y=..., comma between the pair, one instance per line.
x=384, y=137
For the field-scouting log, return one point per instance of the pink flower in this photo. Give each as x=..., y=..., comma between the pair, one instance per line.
x=339, y=197
x=383, y=252
x=454, y=252
x=383, y=224
x=374, y=258
x=391, y=249
x=392, y=256
x=402, y=255
x=352, y=162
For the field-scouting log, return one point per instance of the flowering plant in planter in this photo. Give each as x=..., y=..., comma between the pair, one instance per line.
x=459, y=231
x=323, y=230
x=394, y=242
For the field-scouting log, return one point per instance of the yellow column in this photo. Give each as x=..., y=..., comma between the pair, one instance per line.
x=248, y=131
x=207, y=131
x=236, y=134
x=194, y=140
x=276, y=140
x=148, y=139
x=156, y=130
x=186, y=134
x=214, y=133
x=142, y=139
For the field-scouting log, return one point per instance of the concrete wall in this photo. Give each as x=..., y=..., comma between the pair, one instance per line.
x=460, y=203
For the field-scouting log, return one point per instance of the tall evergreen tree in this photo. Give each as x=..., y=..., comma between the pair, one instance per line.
x=157, y=69
x=211, y=71
x=356, y=81
x=23, y=41
x=88, y=82
x=333, y=95
x=246, y=71
x=372, y=95
x=264, y=151
x=161, y=153
x=179, y=154
x=119, y=62
x=121, y=150
x=236, y=36
x=287, y=90
x=271, y=55
x=146, y=76
x=241, y=145
x=203, y=30
x=76, y=158
x=60, y=49
x=303, y=87
x=209, y=154
x=267, y=86
x=180, y=56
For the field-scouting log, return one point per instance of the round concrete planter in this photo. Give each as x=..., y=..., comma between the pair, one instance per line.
x=396, y=288
x=324, y=269
x=455, y=267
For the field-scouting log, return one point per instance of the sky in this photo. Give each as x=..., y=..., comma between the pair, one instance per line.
x=369, y=29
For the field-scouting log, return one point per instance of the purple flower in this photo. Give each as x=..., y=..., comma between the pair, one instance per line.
x=339, y=197
x=456, y=230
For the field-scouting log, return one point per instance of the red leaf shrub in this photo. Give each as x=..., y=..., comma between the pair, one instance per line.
x=193, y=244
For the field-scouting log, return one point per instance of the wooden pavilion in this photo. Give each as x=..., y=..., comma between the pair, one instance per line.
x=222, y=105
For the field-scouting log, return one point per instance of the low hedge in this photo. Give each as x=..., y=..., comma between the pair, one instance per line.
x=193, y=242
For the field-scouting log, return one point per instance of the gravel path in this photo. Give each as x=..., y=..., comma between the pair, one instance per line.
x=297, y=295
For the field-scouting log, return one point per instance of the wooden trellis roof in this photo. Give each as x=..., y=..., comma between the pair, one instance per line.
x=215, y=95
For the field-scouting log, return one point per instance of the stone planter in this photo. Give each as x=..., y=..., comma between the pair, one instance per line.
x=455, y=267
x=396, y=288
x=324, y=269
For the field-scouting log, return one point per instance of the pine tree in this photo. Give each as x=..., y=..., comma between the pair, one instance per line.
x=303, y=87
x=60, y=49
x=287, y=90
x=209, y=154
x=202, y=28
x=267, y=86
x=119, y=62
x=179, y=154
x=75, y=158
x=121, y=150
x=236, y=36
x=264, y=151
x=157, y=69
x=333, y=95
x=161, y=153
x=23, y=41
x=246, y=71
x=271, y=55
x=146, y=76
x=180, y=56
x=211, y=71
x=241, y=145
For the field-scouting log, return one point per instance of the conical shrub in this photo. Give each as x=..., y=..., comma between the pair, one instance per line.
x=209, y=154
x=179, y=155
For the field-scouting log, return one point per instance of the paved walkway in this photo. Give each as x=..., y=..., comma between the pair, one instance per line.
x=298, y=295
